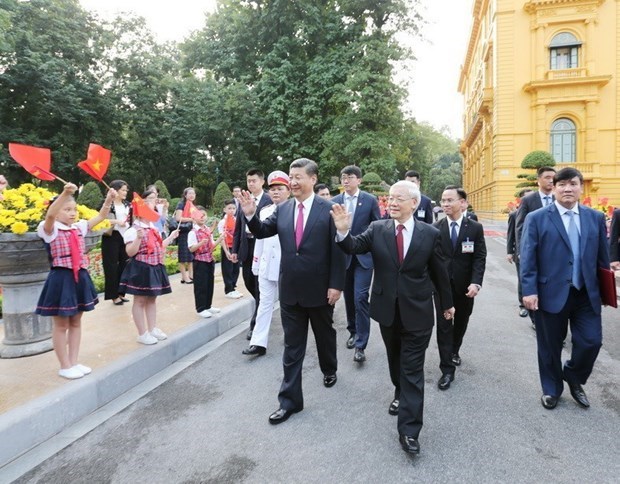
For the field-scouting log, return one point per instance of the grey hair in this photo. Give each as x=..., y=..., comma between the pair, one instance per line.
x=412, y=189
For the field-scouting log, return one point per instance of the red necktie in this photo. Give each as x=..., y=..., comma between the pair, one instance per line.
x=299, y=228
x=399, y=243
x=76, y=253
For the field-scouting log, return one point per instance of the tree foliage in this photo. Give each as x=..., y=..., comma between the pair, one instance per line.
x=91, y=196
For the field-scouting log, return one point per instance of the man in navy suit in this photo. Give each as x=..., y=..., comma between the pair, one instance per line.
x=511, y=250
x=408, y=262
x=311, y=279
x=563, y=245
x=424, y=211
x=363, y=209
x=541, y=198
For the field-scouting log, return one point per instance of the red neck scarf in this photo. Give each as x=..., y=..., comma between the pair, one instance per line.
x=152, y=239
x=76, y=253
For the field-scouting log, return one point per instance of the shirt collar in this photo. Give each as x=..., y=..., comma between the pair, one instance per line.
x=356, y=194
x=459, y=221
x=307, y=202
x=143, y=225
x=258, y=197
x=408, y=224
x=563, y=210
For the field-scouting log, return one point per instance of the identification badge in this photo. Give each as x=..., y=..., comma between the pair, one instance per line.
x=421, y=213
x=467, y=247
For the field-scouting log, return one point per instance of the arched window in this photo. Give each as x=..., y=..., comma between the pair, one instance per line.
x=563, y=140
x=564, y=51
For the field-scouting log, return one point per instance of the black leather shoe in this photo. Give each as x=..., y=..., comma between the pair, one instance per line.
x=248, y=335
x=330, y=380
x=351, y=342
x=577, y=392
x=255, y=350
x=456, y=359
x=409, y=444
x=549, y=402
x=393, y=410
x=359, y=355
x=444, y=381
x=280, y=415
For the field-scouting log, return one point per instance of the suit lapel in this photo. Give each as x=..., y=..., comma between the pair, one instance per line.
x=389, y=235
x=584, y=222
x=419, y=233
x=313, y=216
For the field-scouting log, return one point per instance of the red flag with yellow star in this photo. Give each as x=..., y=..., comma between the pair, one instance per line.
x=142, y=210
x=190, y=210
x=36, y=161
x=97, y=161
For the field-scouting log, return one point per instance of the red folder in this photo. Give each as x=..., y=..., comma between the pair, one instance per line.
x=607, y=286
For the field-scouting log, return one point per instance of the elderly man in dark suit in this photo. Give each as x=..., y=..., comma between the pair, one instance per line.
x=408, y=260
x=563, y=246
x=243, y=242
x=462, y=241
x=311, y=279
x=364, y=209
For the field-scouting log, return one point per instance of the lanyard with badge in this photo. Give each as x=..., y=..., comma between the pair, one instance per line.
x=467, y=246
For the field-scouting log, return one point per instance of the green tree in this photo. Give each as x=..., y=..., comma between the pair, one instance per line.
x=50, y=95
x=163, y=191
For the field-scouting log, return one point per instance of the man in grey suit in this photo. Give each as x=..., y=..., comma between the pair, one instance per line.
x=564, y=245
x=311, y=279
x=408, y=260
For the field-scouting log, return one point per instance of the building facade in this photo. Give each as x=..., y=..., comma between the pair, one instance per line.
x=540, y=75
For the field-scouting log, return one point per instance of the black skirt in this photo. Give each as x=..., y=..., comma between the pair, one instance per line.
x=62, y=296
x=141, y=279
x=184, y=254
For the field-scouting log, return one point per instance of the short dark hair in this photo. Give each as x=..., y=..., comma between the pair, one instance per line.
x=413, y=173
x=543, y=169
x=459, y=190
x=524, y=191
x=229, y=202
x=352, y=170
x=567, y=174
x=255, y=171
x=147, y=192
x=201, y=208
x=235, y=187
x=118, y=184
x=310, y=166
x=320, y=186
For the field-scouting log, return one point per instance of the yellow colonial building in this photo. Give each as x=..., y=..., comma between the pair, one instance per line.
x=541, y=75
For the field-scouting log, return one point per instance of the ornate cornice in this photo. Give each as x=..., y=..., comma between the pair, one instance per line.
x=534, y=5
x=571, y=81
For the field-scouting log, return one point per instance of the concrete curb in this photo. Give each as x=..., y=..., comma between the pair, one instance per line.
x=24, y=427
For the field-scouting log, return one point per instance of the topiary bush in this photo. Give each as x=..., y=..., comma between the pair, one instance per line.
x=163, y=191
x=372, y=183
x=536, y=159
x=222, y=193
x=91, y=196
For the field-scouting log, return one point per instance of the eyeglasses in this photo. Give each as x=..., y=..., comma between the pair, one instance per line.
x=449, y=200
x=348, y=178
x=398, y=199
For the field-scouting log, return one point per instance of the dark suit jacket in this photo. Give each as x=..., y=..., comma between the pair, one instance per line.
x=366, y=211
x=464, y=269
x=240, y=241
x=614, y=234
x=426, y=207
x=471, y=215
x=528, y=204
x=412, y=282
x=511, y=241
x=547, y=258
x=305, y=274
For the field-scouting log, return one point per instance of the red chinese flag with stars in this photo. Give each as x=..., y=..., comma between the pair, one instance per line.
x=97, y=161
x=142, y=210
x=190, y=210
x=36, y=161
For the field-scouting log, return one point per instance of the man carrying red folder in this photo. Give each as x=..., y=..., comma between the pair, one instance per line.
x=563, y=246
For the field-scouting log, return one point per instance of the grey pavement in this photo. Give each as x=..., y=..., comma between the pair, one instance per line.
x=207, y=422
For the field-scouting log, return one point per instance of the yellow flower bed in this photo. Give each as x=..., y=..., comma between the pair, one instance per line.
x=24, y=207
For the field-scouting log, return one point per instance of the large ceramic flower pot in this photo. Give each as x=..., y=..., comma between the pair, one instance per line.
x=24, y=266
